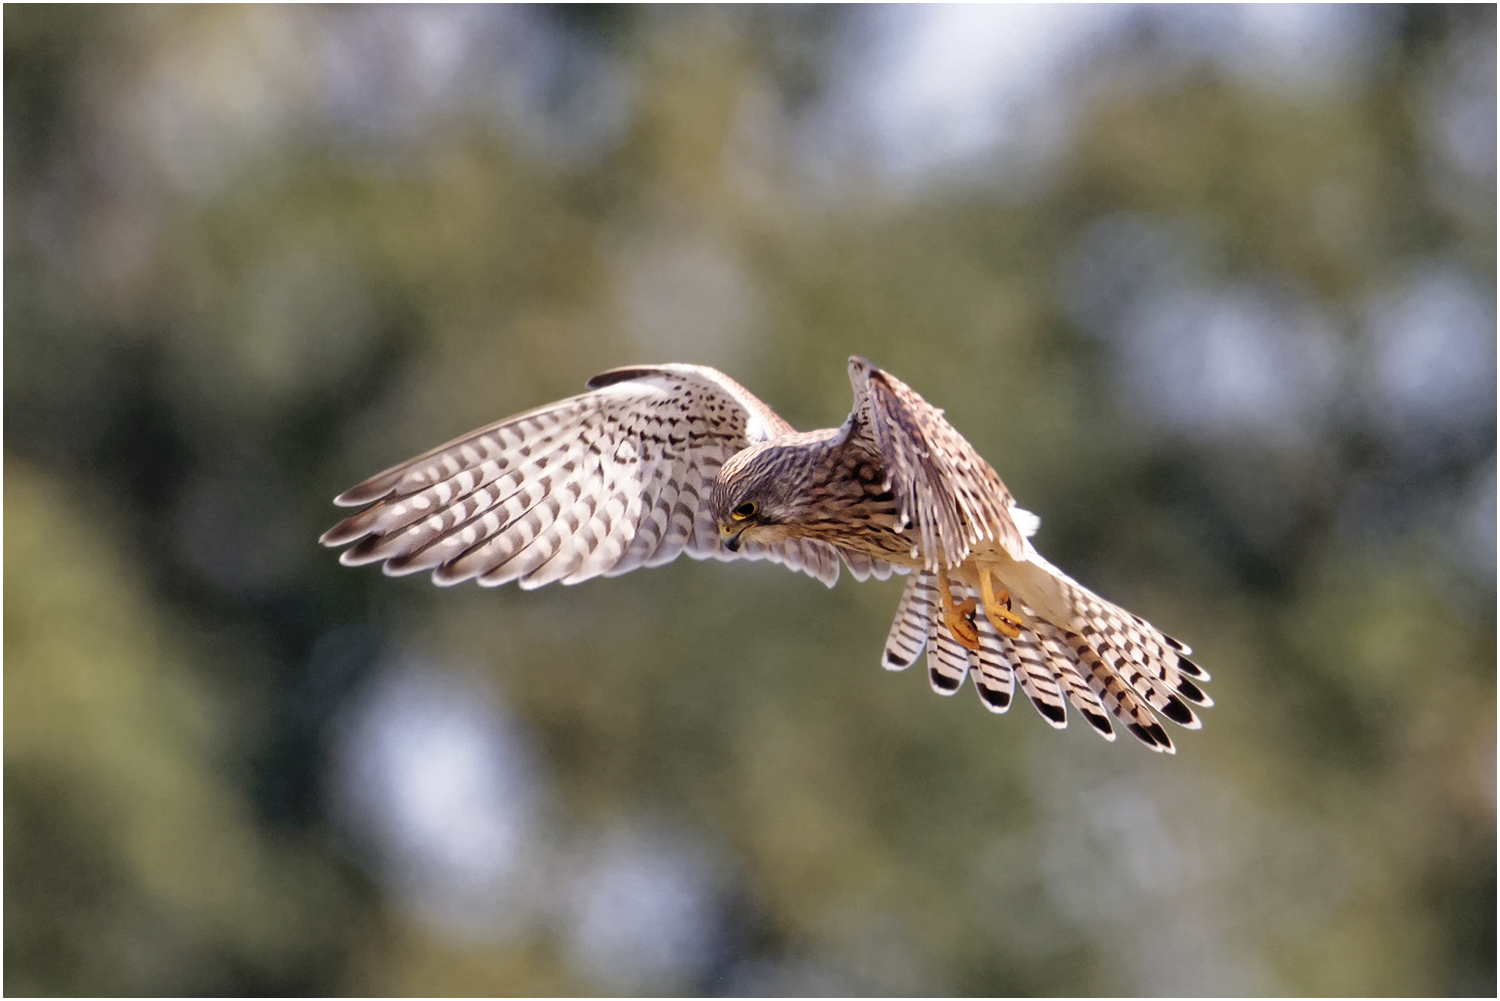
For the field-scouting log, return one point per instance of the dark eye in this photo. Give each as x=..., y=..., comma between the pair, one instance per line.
x=745, y=510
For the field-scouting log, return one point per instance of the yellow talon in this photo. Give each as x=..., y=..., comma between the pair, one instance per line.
x=958, y=618
x=997, y=606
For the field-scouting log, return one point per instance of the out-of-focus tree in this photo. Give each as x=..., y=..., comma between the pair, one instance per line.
x=1213, y=290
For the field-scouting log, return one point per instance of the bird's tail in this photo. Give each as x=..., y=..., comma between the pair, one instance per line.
x=1109, y=664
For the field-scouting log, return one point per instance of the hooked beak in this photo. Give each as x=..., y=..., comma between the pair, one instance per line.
x=732, y=537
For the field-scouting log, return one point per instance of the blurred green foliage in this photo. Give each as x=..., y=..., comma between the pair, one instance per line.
x=234, y=288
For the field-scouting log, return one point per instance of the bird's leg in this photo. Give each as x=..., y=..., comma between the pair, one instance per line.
x=997, y=606
x=958, y=618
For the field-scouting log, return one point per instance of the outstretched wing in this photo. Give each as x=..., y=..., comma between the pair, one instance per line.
x=945, y=491
x=600, y=483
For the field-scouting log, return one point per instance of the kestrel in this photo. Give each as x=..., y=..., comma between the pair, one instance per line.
x=655, y=461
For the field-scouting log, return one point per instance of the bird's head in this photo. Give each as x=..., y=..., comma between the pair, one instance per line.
x=762, y=495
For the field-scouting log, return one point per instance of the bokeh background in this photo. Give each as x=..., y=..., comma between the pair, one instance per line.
x=1213, y=288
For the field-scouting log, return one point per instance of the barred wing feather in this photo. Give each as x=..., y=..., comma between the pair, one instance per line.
x=597, y=484
x=947, y=493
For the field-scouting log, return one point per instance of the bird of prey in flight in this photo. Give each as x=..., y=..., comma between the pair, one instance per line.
x=655, y=461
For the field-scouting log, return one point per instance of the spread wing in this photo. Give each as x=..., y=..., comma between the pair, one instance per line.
x=600, y=483
x=944, y=490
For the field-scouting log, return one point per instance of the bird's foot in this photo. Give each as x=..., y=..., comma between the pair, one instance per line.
x=959, y=618
x=997, y=606
x=960, y=622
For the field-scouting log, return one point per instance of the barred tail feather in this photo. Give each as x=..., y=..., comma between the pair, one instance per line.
x=948, y=661
x=994, y=674
x=1118, y=697
x=909, y=631
x=1102, y=667
x=1071, y=679
x=1038, y=679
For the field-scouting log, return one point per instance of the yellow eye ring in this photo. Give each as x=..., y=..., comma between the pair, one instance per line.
x=744, y=511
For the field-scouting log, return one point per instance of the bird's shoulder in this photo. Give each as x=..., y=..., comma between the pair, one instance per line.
x=696, y=392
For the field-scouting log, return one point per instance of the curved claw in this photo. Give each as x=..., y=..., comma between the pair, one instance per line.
x=960, y=622
x=997, y=607
x=959, y=618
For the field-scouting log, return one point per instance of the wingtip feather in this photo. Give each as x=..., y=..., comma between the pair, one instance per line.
x=367, y=492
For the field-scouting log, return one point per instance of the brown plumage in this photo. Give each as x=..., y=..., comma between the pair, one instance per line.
x=656, y=461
